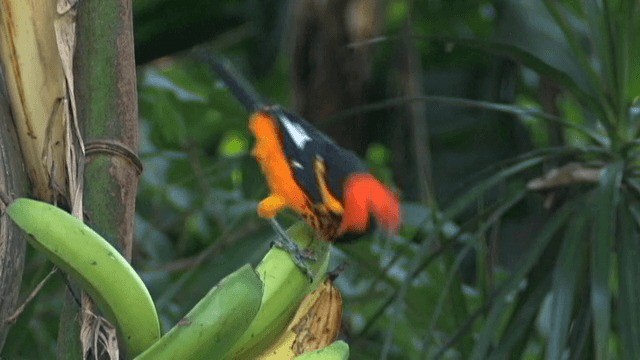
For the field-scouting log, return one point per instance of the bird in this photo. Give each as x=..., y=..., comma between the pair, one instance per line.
x=328, y=186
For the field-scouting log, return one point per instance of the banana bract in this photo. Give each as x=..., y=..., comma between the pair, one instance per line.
x=315, y=325
x=96, y=265
x=215, y=323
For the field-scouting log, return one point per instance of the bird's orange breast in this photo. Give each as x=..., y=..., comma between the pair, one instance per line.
x=270, y=155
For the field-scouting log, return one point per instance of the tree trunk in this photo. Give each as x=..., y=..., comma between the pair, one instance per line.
x=13, y=182
x=329, y=76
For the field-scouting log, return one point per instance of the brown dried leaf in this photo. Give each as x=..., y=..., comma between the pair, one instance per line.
x=34, y=80
x=97, y=335
x=571, y=173
x=65, y=29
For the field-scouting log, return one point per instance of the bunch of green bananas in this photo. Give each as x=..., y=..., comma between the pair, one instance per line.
x=240, y=317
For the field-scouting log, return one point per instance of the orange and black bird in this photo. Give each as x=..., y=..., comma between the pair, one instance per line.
x=329, y=186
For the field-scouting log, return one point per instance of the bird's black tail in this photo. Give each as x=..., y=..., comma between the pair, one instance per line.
x=239, y=87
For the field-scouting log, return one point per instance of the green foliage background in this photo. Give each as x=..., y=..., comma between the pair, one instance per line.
x=486, y=270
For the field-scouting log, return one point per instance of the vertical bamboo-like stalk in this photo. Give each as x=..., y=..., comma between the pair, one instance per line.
x=105, y=86
x=108, y=112
x=412, y=80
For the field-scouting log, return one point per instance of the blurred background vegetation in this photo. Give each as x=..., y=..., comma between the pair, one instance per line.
x=508, y=127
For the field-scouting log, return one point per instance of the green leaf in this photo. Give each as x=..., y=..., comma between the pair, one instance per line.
x=520, y=325
x=581, y=334
x=570, y=264
x=603, y=204
x=451, y=302
x=339, y=350
x=472, y=195
x=634, y=53
x=629, y=290
x=573, y=82
x=234, y=144
x=499, y=307
x=515, y=110
x=564, y=21
x=548, y=34
x=599, y=35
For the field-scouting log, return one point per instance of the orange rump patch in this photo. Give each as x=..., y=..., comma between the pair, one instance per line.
x=364, y=195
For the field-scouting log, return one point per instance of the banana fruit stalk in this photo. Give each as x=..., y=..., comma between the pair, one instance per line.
x=339, y=350
x=215, y=323
x=284, y=288
x=315, y=325
x=96, y=265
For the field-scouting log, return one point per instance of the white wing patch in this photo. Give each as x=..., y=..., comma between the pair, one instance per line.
x=297, y=133
x=297, y=164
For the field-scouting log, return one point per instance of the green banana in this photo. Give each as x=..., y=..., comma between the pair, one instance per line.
x=96, y=265
x=284, y=288
x=338, y=350
x=215, y=323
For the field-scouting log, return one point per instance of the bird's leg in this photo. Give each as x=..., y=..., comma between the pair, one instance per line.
x=298, y=256
x=268, y=208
